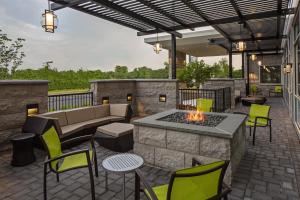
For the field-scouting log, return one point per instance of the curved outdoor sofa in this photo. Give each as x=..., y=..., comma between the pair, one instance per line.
x=76, y=122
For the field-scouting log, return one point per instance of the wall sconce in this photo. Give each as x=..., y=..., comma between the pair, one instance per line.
x=253, y=57
x=284, y=70
x=288, y=67
x=105, y=100
x=32, y=109
x=162, y=98
x=129, y=97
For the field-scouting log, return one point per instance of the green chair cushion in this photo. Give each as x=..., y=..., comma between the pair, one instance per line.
x=204, y=105
x=51, y=139
x=74, y=161
x=196, y=187
x=258, y=111
x=278, y=89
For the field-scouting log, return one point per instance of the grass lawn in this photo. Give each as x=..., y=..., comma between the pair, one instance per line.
x=67, y=91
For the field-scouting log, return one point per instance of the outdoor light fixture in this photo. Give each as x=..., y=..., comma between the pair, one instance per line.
x=157, y=46
x=105, y=100
x=259, y=62
x=253, y=57
x=252, y=77
x=49, y=20
x=288, y=67
x=240, y=46
x=284, y=70
x=162, y=98
x=32, y=109
x=129, y=97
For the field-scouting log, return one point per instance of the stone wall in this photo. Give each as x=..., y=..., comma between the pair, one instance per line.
x=174, y=150
x=14, y=97
x=240, y=84
x=145, y=93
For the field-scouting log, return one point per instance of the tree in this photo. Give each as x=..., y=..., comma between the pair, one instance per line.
x=220, y=69
x=11, y=55
x=195, y=73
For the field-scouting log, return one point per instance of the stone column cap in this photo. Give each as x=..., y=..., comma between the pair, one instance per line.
x=23, y=82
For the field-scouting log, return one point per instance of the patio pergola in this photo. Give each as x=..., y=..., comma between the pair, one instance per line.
x=258, y=23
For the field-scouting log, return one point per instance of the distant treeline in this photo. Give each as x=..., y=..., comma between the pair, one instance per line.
x=62, y=80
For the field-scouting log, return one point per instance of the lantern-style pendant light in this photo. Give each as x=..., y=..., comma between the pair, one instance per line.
x=240, y=45
x=49, y=20
x=157, y=46
x=253, y=57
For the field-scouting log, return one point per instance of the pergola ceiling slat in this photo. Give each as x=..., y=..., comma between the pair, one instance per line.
x=262, y=19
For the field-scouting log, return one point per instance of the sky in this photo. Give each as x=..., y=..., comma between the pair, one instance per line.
x=80, y=42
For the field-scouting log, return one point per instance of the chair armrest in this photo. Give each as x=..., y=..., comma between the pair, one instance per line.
x=146, y=185
x=78, y=139
x=195, y=162
x=266, y=118
x=66, y=155
x=241, y=113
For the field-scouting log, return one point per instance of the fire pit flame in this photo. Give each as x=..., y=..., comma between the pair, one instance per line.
x=197, y=116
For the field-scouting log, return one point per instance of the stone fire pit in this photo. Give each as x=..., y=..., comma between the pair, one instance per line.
x=166, y=140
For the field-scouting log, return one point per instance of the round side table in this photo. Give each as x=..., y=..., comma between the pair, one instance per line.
x=122, y=163
x=23, y=149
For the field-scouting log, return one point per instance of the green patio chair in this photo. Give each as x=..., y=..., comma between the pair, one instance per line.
x=197, y=183
x=277, y=91
x=258, y=117
x=205, y=105
x=60, y=162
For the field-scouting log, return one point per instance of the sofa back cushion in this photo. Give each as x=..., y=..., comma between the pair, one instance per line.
x=60, y=115
x=101, y=111
x=118, y=110
x=79, y=115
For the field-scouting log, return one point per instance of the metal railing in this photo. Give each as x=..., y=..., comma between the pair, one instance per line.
x=69, y=101
x=221, y=98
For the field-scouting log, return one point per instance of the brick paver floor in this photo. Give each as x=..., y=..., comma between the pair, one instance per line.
x=267, y=171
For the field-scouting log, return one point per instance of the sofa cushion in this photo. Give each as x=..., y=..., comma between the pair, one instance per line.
x=70, y=129
x=116, y=129
x=95, y=122
x=118, y=110
x=101, y=111
x=60, y=115
x=79, y=115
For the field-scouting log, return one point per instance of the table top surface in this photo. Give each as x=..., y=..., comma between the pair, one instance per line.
x=23, y=136
x=124, y=162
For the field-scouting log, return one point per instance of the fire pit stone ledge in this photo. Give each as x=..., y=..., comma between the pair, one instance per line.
x=172, y=145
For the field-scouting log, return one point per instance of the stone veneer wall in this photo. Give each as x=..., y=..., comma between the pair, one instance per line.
x=240, y=84
x=145, y=93
x=174, y=150
x=216, y=83
x=14, y=96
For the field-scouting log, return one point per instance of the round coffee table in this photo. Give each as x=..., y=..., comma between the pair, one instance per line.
x=247, y=101
x=122, y=163
x=23, y=149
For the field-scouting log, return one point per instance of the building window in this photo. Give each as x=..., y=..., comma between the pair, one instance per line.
x=270, y=74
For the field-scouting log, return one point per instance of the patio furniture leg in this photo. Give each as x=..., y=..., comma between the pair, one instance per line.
x=250, y=130
x=57, y=177
x=124, y=195
x=105, y=180
x=225, y=197
x=45, y=182
x=270, y=132
x=254, y=130
x=137, y=187
x=96, y=166
x=91, y=180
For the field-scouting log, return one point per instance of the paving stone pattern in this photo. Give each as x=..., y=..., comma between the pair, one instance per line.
x=267, y=171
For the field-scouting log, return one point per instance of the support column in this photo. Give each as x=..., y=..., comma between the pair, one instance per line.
x=230, y=61
x=248, y=77
x=173, y=61
x=243, y=64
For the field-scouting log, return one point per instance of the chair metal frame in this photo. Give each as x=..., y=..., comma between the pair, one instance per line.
x=48, y=161
x=223, y=189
